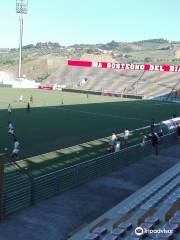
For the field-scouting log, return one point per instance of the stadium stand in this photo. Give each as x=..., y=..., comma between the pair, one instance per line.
x=148, y=84
x=154, y=207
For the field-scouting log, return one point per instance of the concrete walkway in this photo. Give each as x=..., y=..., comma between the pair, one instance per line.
x=57, y=217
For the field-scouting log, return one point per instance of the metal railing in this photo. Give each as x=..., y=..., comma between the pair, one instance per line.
x=20, y=192
x=17, y=190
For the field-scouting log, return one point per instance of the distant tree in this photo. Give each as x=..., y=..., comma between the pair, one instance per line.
x=165, y=48
x=42, y=77
x=38, y=45
x=113, y=44
x=54, y=45
x=13, y=49
x=126, y=49
x=158, y=40
x=147, y=59
x=28, y=46
x=8, y=62
x=89, y=51
x=127, y=56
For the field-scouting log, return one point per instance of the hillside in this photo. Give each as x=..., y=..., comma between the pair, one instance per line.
x=47, y=61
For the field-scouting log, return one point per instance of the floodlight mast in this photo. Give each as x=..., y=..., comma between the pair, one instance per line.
x=21, y=9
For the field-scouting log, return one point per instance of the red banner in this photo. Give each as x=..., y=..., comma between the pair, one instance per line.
x=125, y=66
x=46, y=87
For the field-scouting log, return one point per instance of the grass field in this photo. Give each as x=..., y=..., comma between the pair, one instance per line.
x=50, y=126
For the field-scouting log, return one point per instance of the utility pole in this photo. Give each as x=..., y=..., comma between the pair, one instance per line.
x=21, y=9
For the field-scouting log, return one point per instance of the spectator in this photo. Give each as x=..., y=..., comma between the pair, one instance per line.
x=126, y=136
x=117, y=145
x=155, y=142
x=144, y=140
x=111, y=146
x=158, y=137
x=114, y=137
x=174, y=115
x=160, y=133
x=178, y=133
x=152, y=125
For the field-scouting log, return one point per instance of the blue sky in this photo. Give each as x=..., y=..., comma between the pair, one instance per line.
x=90, y=21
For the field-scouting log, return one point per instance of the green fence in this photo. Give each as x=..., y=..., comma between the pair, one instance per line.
x=17, y=189
x=21, y=191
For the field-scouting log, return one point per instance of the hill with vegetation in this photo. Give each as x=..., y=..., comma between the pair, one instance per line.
x=45, y=61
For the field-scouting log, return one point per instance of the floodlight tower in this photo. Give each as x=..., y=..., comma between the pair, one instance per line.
x=21, y=9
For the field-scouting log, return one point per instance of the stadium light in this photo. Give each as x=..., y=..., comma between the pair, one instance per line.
x=21, y=9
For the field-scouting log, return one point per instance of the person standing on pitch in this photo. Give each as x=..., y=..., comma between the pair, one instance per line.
x=15, y=151
x=28, y=107
x=9, y=108
x=21, y=98
x=11, y=129
x=31, y=99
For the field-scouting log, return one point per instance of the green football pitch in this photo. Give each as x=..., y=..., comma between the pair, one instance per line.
x=71, y=126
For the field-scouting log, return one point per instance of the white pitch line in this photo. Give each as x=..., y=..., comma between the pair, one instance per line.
x=155, y=103
x=98, y=114
x=160, y=104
